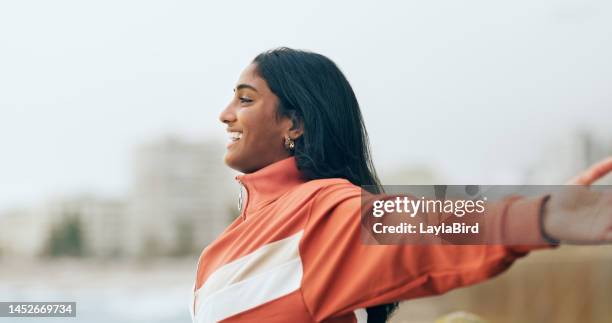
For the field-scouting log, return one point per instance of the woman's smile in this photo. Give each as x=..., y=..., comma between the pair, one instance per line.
x=234, y=136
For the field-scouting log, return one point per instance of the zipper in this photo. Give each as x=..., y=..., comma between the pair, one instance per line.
x=242, y=204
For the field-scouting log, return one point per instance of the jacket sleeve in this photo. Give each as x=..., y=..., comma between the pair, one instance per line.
x=342, y=274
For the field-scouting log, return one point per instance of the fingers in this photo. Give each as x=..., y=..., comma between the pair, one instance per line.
x=594, y=173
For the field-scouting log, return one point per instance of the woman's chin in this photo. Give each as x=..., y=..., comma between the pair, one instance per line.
x=229, y=160
x=233, y=161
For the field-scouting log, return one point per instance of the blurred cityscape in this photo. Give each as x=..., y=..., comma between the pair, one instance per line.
x=142, y=248
x=181, y=198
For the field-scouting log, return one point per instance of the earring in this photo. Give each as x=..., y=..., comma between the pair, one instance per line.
x=289, y=143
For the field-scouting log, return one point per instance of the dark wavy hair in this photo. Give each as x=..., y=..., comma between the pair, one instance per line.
x=314, y=92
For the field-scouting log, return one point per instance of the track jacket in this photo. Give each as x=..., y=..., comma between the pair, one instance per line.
x=295, y=255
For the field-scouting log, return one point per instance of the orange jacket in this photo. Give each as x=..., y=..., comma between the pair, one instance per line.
x=295, y=255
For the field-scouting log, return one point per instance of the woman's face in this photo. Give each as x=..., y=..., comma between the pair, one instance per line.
x=256, y=135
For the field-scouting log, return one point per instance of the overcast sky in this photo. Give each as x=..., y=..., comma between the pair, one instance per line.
x=465, y=87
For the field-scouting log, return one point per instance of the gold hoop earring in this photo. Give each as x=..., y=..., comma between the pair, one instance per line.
x=289, y=143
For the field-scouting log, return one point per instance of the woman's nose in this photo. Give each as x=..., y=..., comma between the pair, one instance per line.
x=227, y=115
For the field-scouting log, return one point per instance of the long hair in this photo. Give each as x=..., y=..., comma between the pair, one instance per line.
x=313, y=91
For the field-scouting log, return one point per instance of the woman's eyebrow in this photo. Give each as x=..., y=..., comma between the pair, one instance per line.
x=245, y=86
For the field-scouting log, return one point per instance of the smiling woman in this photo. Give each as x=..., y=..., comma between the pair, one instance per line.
x=295, y=253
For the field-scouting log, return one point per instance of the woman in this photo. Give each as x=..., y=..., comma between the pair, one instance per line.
x=294, y=254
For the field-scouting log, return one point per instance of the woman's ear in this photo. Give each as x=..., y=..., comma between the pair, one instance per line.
x=297, y=126
x=297, y=129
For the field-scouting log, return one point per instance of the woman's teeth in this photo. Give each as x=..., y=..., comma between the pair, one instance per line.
x=234, y=136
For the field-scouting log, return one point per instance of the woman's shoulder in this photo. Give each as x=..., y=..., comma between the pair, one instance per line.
x=335, y=198
x=332, y=189
x=330, y=184
x=325, y=189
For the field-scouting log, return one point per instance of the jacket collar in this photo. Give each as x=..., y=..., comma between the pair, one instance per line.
x=269, y=183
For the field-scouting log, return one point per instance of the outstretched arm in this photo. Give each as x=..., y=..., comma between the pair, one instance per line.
x=342, y=274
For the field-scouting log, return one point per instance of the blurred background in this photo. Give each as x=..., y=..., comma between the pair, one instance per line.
x=112, y=179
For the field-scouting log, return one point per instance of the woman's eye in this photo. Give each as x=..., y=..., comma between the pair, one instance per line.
x=245, y=100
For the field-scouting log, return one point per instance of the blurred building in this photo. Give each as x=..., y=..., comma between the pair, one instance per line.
x=21, y=233
x=100, y=224
x=183, y=196
x=97, y=228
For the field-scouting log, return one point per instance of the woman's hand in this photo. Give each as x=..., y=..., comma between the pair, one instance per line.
x=579, y=215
